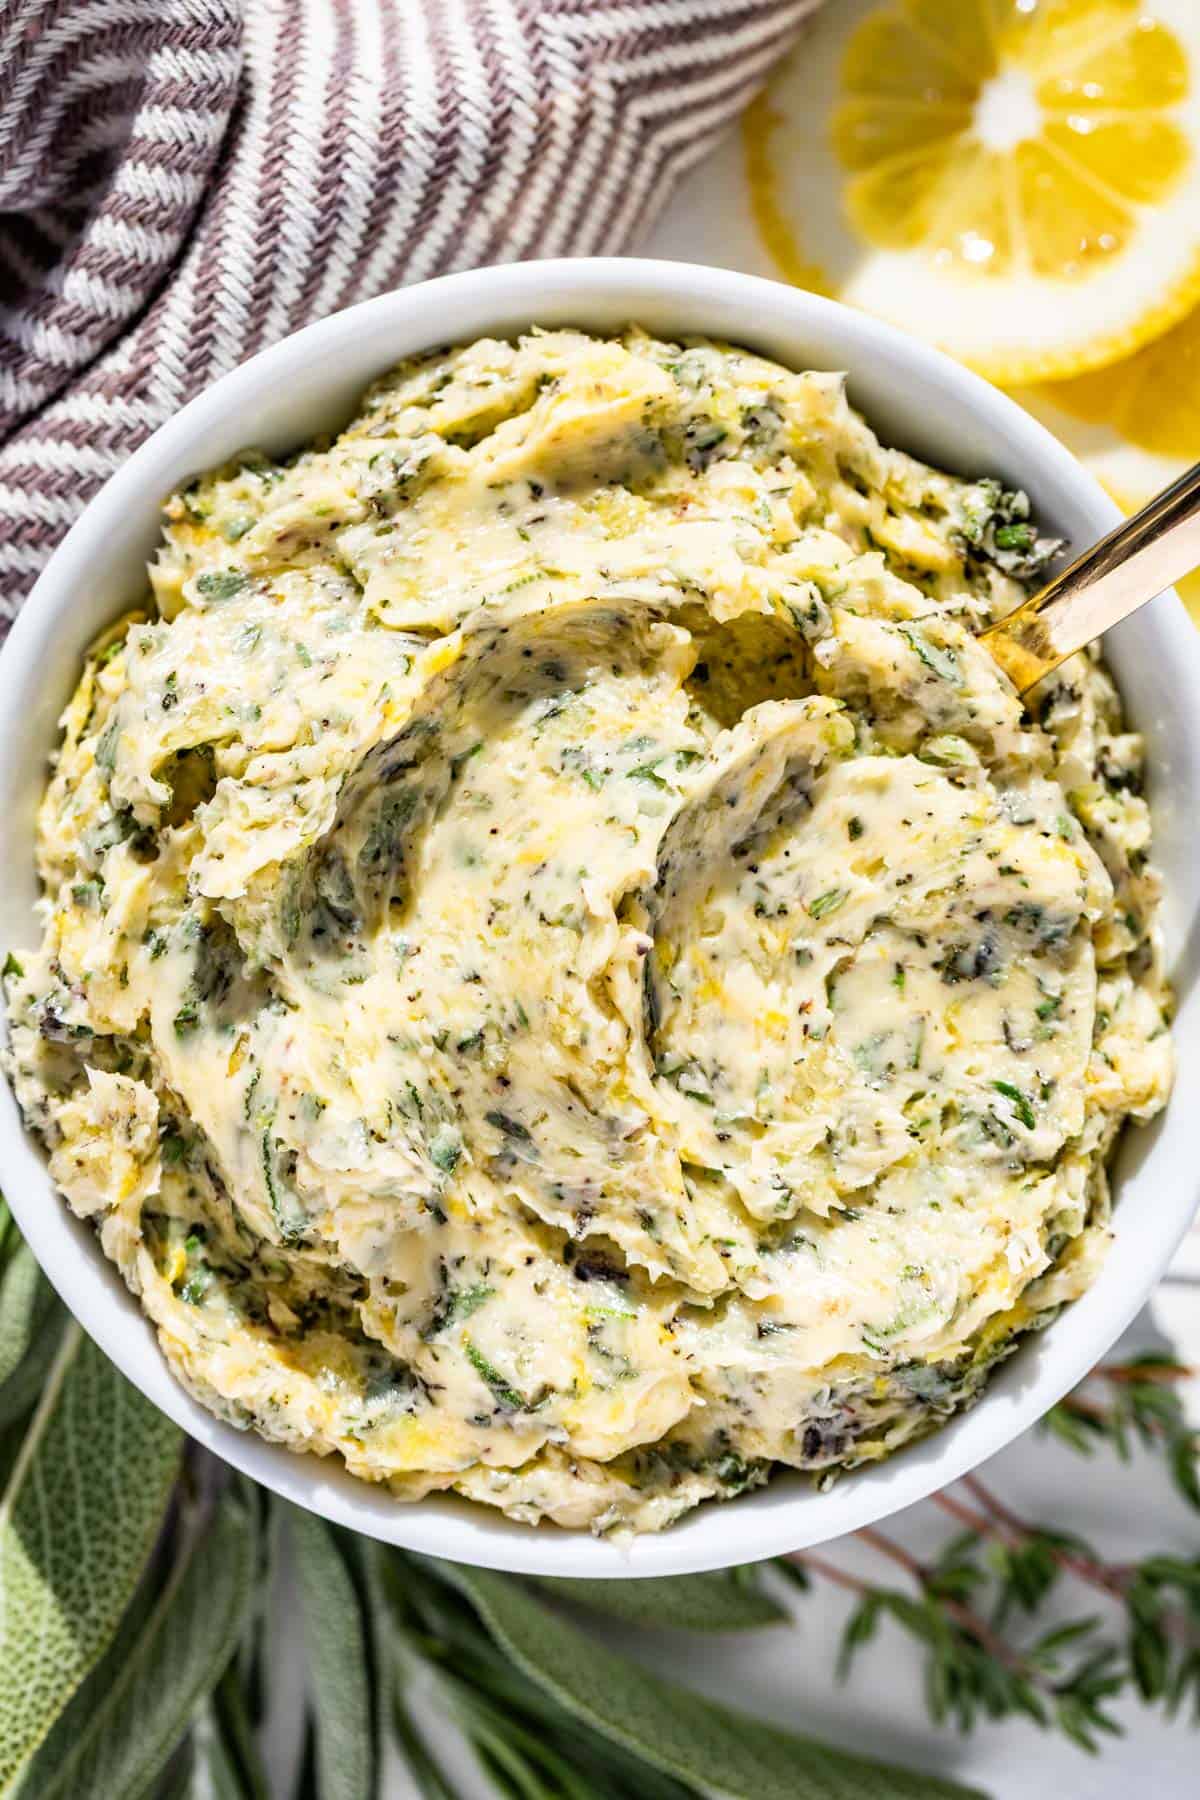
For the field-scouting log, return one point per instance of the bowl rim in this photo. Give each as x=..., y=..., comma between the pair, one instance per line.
x=764, y=1523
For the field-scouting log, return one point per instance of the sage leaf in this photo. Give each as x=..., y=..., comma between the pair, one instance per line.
x=254, y=1664
x=238, y=1736
x=725, y=1600
x=179, y=1782
x=24, y=1293
x=336, y=1635
x=31, y=1322
x=40, y=1771
x=21, y=1282
x=669, y=1727
x=210, y=1773
x=526, y=1743
x=188, y=1636
x=81, y=1508
x=373, y=1579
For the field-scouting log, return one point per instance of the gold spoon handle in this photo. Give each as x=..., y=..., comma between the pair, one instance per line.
x=1137, y=560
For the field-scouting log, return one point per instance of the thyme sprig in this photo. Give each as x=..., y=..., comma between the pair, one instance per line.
x=972, y=1608
x=1062, y=1677
x=1140, y=1404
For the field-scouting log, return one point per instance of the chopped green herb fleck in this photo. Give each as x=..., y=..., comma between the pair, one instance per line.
x=106, y=744
x=505, y=1393
x=220, y=584
x=187, y=1018
x=943, y=663
x=511, y=1127
x=826, y=903
x=1014, y=537
x=1020, y=1103
x=648, y=772
x=469, y=1300
x=446, y=1149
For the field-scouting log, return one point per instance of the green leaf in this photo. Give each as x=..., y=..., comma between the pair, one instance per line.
x=145, y=1693
x=31, y=1322
x=529, y=1745
x=371, y=1580
x=670, y=1727
x=336, y=1632
x=1080, y=1433
x=726, y=1600
x=80, y=1511
x=212, y=1774
x=21, y=1299
x=1150, y=1657
x=179, y=1783
x=1184, y=1463
x=254, y=1664
x=238, y=1737
x=90, y=1694
x=859, y=1629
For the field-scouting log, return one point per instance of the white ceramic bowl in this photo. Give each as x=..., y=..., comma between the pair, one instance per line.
x=915, y=398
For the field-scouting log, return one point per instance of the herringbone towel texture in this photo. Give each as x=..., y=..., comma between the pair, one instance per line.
x=184, y=181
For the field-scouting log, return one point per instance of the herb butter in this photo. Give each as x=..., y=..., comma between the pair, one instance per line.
x=568, y=973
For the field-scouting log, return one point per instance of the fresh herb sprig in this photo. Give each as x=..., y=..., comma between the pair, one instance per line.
x=974, y=1608
x=1134, y=1402
x=1059, y=1678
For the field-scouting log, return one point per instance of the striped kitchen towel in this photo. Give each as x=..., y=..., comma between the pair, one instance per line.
x=184, y=181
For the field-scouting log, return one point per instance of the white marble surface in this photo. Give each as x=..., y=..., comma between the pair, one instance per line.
x=785, y=1673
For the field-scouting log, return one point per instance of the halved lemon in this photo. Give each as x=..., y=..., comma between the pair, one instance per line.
x=1018, y=180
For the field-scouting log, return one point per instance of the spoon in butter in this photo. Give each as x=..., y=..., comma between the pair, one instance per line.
x=1137, y=560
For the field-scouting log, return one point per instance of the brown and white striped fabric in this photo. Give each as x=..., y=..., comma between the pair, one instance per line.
x=184, y=181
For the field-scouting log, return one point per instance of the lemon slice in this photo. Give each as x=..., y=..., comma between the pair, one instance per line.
x=1018, y=180
x=1152, y=399
x=1134, y=424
